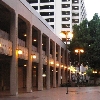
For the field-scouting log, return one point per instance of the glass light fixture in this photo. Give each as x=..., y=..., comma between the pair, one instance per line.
x=34, y=56
x=19, y=51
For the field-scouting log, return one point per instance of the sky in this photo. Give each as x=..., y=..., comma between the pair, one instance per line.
x=92, y=7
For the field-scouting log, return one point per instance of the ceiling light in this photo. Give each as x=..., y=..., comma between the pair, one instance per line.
x=34, y=40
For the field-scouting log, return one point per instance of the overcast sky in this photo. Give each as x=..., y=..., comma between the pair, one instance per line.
x=92, y=7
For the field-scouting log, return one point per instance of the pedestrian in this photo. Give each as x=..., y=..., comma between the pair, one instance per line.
x=78, y=80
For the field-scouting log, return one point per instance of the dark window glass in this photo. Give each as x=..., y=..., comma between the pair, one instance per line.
x=75, y=14
x=46, y=13
x=35, y=7
x=52, y=26
x=32, y=1
x=43, y=1
x=47, y=7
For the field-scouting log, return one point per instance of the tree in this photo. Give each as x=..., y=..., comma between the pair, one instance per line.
x=87, y=37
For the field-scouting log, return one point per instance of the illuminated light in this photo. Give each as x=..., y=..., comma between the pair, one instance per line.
x=82, y=73
x=68, y=67
x=52, y=70
x=79, y=72
x=56, y=71
x=0, y=44
x=51, y=62
x=76, y=20
x=61, y=77
x=70, y=35
x=76, y=7
x=34, y=40
x=65, y=67
x=34, y=66
x=34, y=56
x=25, y=65
x=94, y=71
x=42, y=43
x=82, y=50
x=76, y=51
x=57, y=64
x=44, y=75
x=68, y=42
x=19, y=51
x=25, y=35
x=62, y=66
x=75, y=1
x=62, y=35
x=79, y=50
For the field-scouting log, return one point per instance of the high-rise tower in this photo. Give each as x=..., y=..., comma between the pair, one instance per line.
x=60, y=14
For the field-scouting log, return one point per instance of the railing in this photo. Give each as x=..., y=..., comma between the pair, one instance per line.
x=5, y=47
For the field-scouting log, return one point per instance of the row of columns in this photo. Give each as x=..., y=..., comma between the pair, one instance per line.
x=14, y=60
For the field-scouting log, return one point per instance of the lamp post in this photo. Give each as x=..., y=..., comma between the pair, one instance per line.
x=68, y=36
x=79, y=51
x=94, y=72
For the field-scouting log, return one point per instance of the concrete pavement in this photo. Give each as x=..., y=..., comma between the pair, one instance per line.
x=75, y=93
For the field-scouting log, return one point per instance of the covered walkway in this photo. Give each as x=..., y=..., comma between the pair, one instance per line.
x=75, y=93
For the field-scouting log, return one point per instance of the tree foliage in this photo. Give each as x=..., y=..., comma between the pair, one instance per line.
x=87, y=37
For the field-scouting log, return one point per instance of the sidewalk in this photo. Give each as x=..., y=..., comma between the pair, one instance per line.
x=75, y=93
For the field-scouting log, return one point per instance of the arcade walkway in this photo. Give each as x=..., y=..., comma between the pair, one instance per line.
x=75, y=93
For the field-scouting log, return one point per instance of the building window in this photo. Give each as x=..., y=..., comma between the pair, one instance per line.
x=52, y=26
x=65, y=5
x=75, y=14
x=65, y=12
x=75, y=7
x=75, y=1
x=66, y=19
x=44, y=1
x=50, y=20
x=75, y=20
x=32, y=1
x=65, y=25
x=65, y=0
x=47, y=7
x=46, y=13
x=35, y=7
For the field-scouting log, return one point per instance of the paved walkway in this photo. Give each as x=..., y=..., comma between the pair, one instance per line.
x=75, y=93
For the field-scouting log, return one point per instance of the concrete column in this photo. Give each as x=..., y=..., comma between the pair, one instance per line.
x=29, y=62
x=40, y=66
x=54, y=67
x=14, y=58
x=63, y=72
x=48, y=63
x=59, y=69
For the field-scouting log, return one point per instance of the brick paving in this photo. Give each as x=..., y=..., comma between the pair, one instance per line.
x=74, y=93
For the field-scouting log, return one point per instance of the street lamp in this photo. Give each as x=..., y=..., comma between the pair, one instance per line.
x=79, y=51
x=68, y=36
x=94, y=72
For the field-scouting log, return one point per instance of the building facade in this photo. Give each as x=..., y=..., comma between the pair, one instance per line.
x=62, y=14
x=31, y=55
